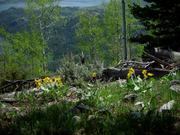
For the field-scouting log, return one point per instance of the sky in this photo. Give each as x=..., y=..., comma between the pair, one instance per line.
x=63, y=3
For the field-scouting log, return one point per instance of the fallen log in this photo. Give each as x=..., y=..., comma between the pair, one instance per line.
x=172, y=56
x=134, y=64
x=16, y=85
x=8, y=100
x=167, y=59
x=157, y=60
x=111, y=74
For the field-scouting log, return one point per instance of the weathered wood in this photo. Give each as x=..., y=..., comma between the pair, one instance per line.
x=111, y=74
x=157, y=59
x=114, y=74
x=15, y=85
x=8, y=100
x=135, y=64
x=172, y=56
x=176, y=56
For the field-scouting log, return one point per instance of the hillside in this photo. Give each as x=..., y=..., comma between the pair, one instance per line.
x=112, y=69
x=63, y=41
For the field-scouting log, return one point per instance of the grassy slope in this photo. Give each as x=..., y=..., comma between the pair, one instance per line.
x=110, y=115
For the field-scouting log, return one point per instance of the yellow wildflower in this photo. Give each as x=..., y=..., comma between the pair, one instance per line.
x=47, y=80
x=146, y=74
x=38, y=83
x=150, y=74
x=58, y=81
x=94, y=74
x=130, y=72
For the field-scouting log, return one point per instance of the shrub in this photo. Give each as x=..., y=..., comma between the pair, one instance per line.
x=75, y=73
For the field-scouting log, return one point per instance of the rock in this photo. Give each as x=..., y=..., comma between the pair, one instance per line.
x=8, y=100
x=140, y=105
x=80, y=108
x=167, y=107
x=91, y=117
x=130, y=97
x=177, y=127
x=76, y=119
x=72, y=95
x=175, y=85
x=83, y=108
x=122, y=81
x=175, y=88
x=174, y=82
x=8, y=95
x=73, y=89
x=9, y=109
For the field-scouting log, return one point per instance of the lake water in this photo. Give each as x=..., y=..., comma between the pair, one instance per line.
x=63, y=3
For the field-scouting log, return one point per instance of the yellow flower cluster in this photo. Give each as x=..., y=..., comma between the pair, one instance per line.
x=146, y=74
x=47, y=80
x=58, y=81
x=38, y=83
x=130, y=72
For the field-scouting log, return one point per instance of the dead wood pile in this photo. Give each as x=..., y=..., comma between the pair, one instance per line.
x=157, y=67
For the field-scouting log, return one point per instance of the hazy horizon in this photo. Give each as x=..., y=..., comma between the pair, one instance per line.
x=64, y=3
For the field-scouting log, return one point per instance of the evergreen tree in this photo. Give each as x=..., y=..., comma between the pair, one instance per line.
x=160, y=19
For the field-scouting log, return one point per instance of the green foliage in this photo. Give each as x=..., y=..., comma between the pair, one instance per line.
x=43, y=15
x=90, y=34
x=75, y=73
x=62, y=32
x=25, y=54
x=102, y=33
x=21, y=57
x=45, y=95
x=53, y=120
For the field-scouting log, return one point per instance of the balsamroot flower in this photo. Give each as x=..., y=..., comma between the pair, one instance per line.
x=49, y=82
x=58, y=81
x=146, y=74
x=130, y=73
x=38, y=83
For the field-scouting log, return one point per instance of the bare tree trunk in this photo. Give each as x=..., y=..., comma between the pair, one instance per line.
x=124, y=30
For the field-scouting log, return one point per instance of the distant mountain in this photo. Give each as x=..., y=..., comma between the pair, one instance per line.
x=10, y=1
x=6, y=4
x=64, y=39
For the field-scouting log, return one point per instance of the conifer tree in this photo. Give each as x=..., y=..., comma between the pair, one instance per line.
x=160, y=19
